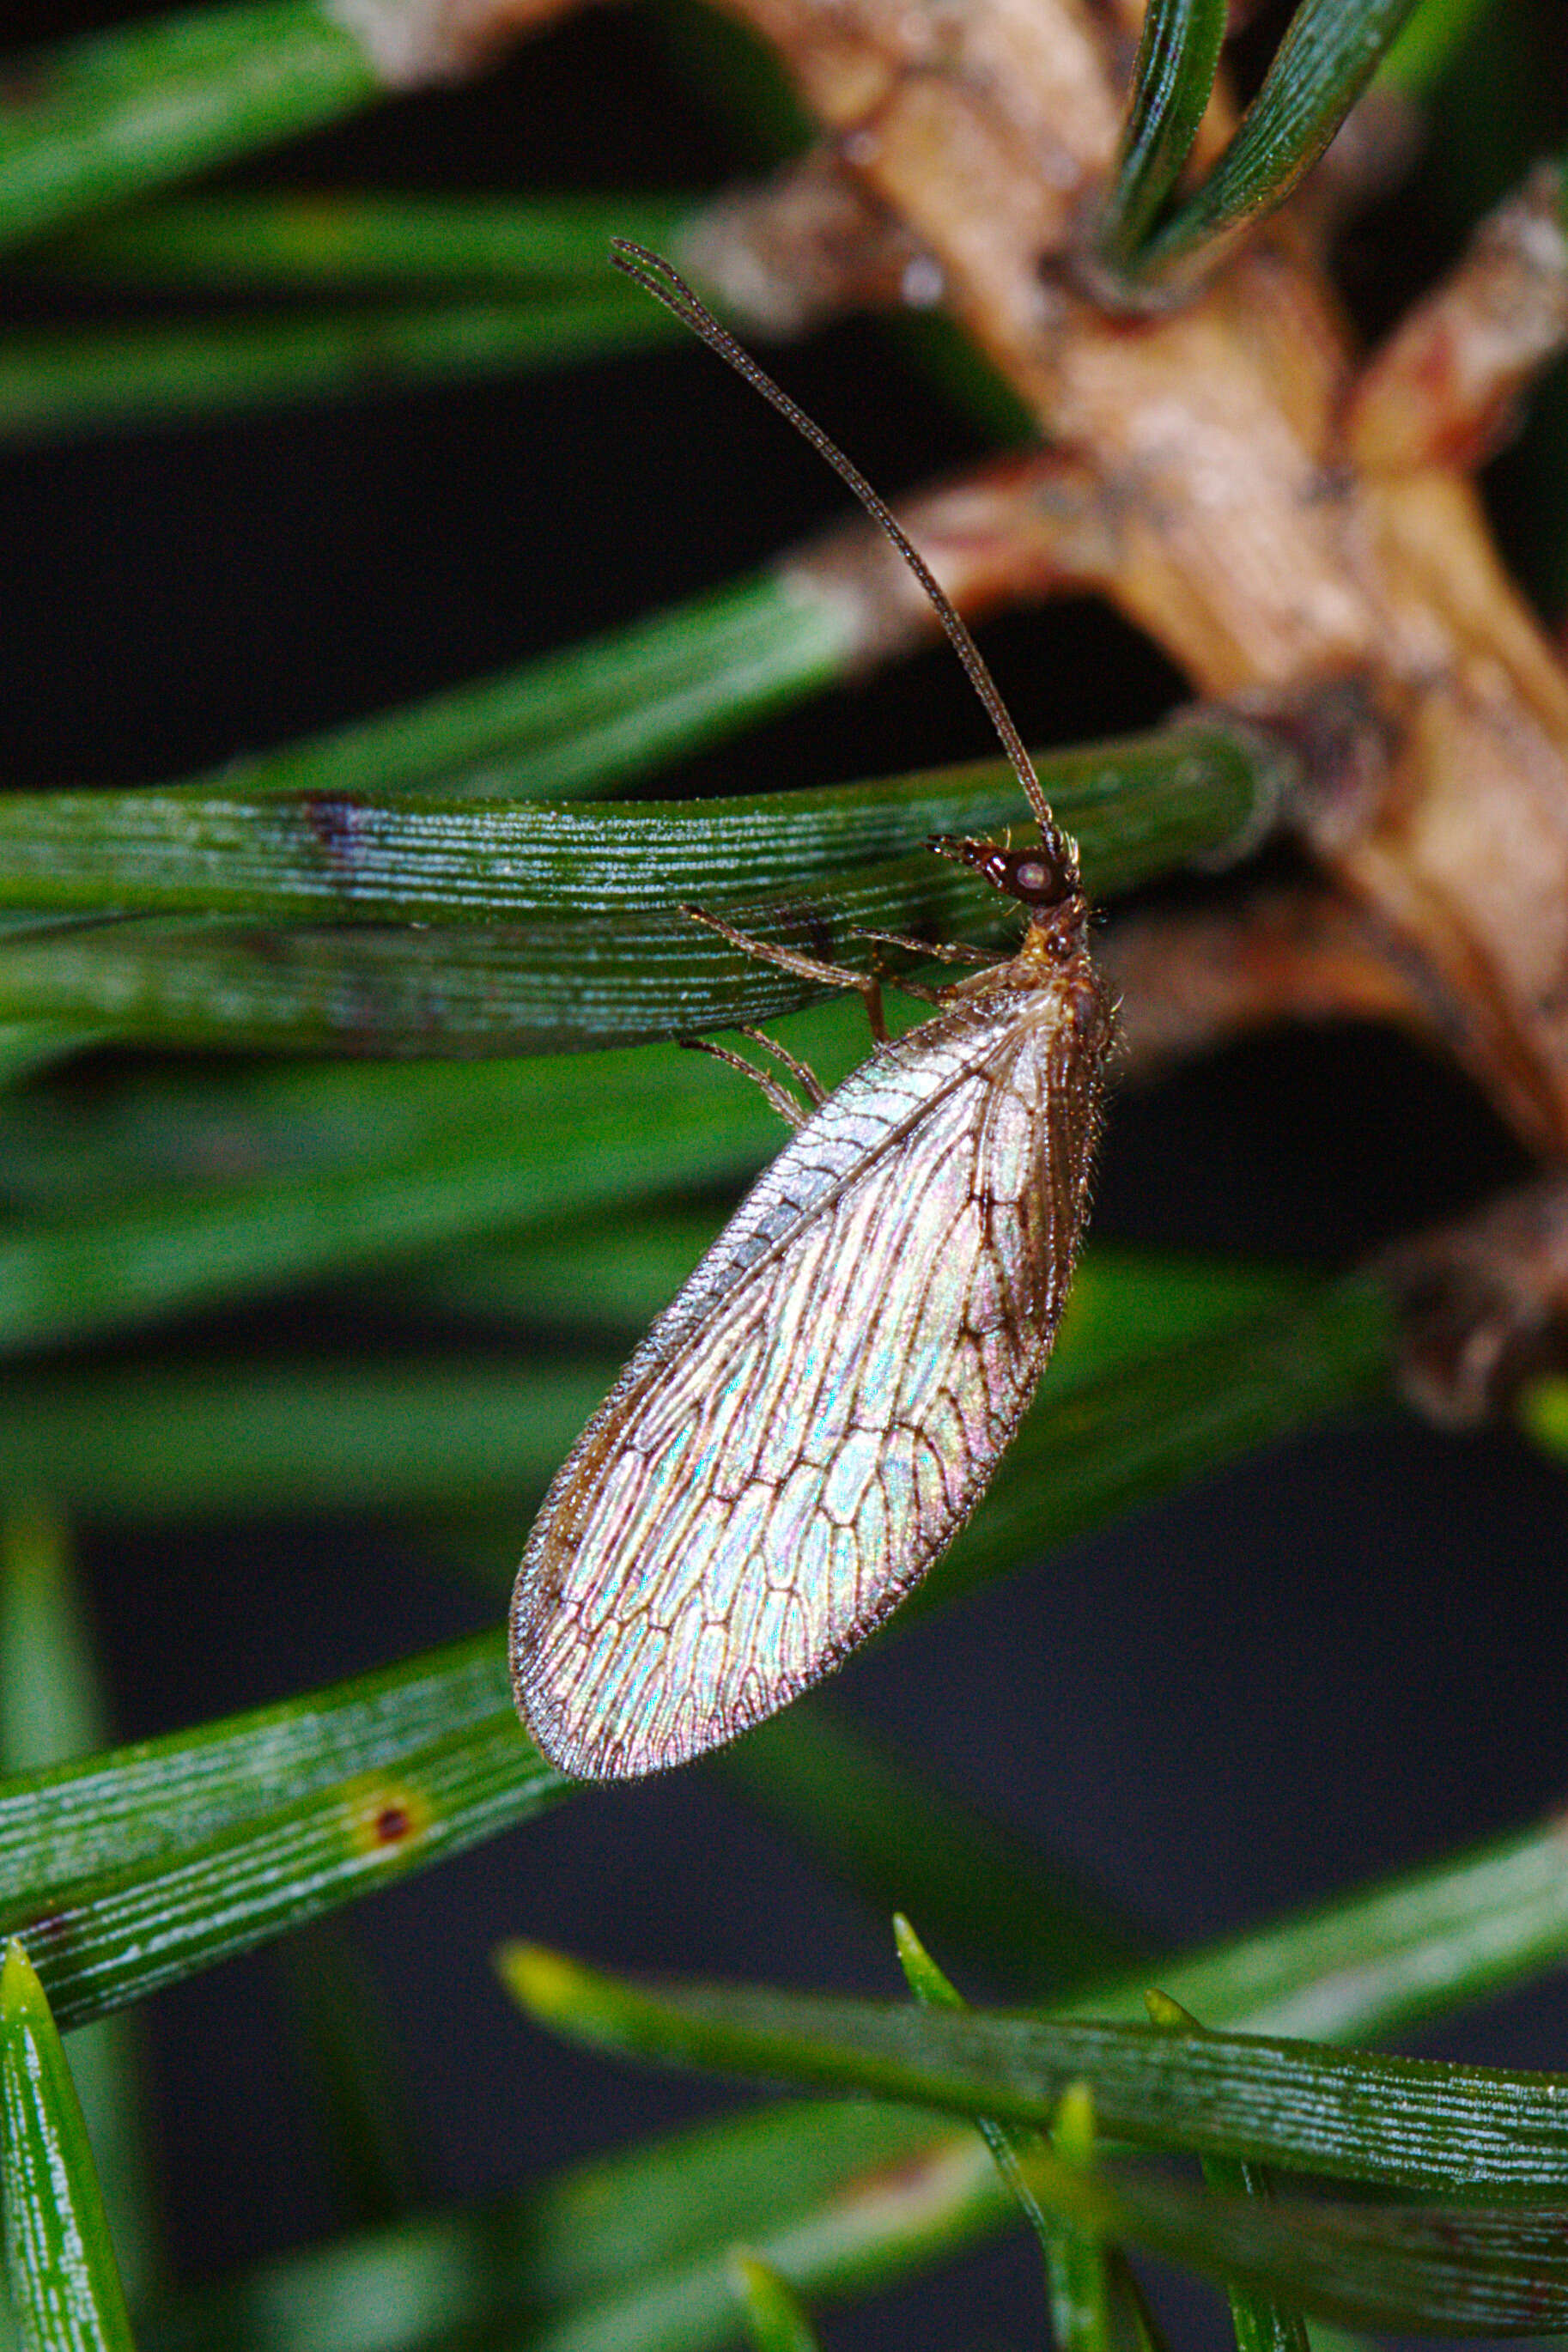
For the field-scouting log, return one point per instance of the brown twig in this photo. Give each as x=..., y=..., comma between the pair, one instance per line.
x=1245, y=538
x=1219, y=471
x=805, y=246
x=1187, y=982
x=1485, y=1303
x=1445, y=388
x=1012, y=531
x=412, y=43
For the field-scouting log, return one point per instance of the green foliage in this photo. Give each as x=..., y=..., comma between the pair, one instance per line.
x=51, y=1709
x=1138, y=808
x=775, y=2321
x=1262, y=2323
x=59, y=2262
x=1178, y=58
x=106, y=119
x=358, y=241
x=1394, y=2124
x=1330, y=51
x=1078, y=2278
x=53, y=385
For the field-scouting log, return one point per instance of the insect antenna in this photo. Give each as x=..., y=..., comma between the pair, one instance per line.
x=656, y=277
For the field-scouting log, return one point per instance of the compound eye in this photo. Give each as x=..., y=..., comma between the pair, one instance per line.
x=1034, y=879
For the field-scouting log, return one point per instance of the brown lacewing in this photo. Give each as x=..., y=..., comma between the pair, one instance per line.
x=810, y=1422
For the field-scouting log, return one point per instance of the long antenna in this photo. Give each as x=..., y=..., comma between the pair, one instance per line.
x=656, y=277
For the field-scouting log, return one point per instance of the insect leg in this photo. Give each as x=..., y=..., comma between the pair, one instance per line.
x=835, y=975
x=939, y=951
x=801, y=1071
x=788, y=1109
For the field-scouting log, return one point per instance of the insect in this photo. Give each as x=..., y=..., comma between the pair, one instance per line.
x=812, y=1420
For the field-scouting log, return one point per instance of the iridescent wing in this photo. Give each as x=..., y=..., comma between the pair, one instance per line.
x=816, y=1414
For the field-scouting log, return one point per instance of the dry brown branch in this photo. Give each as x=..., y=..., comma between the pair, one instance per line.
x=1008, y=533
x=1243, y=536
x=411, y=43
x=805, y=246
x=1187, y=982
x=1486, y=1303
x=1444, y=388
x=1222, y=470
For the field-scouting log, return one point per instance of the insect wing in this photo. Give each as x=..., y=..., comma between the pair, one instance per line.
x=816, y=1414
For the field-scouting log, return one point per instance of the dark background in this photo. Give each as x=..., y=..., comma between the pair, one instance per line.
x=1337, y=1661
